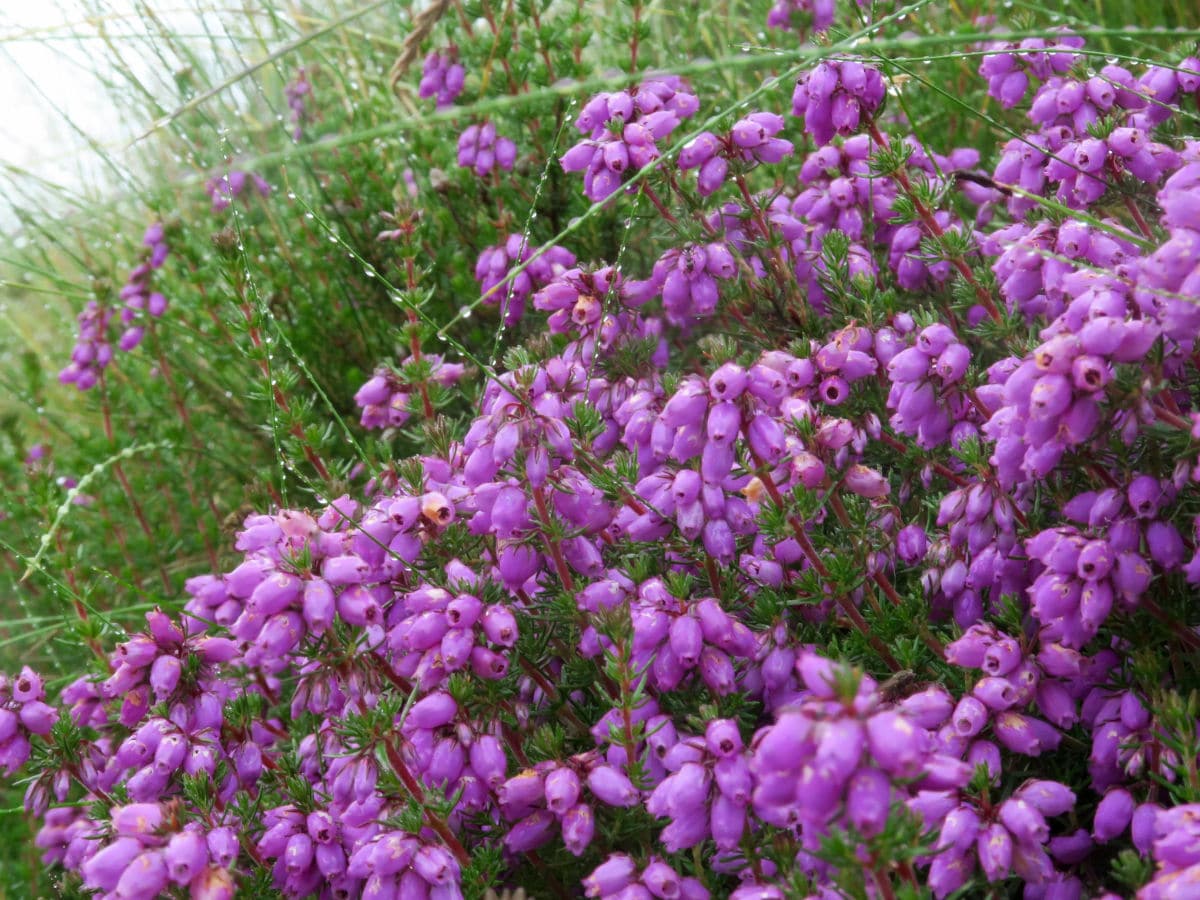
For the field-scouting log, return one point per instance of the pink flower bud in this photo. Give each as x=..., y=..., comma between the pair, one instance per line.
x=610, y=876
x=866, y=482
x=611, y=787
x=531, y=832
x=1113, y=815
x=578, y=828
x=432, y=711
x=562, y=790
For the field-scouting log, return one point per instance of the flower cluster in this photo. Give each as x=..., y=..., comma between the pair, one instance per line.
x=1012, y=837
x=926, y=396
x=1010, y=67
x=386, y=396
x=834, y=536
x=442, y=77
x=802, y=15
x=436, y=633
x=619, y=876
x=752, y=139
x=1175, y=832
x=621, y=131
x=146, y=859
x=139, y=299
x=298, y=92
x=538, y=267
x=836, y=98
x=224, y=189
x=1089, y=572
x=1033, y=262
x=93, y=350
x=1051, y=402
x=687, y=280
x=481, y=149
x=23, y=712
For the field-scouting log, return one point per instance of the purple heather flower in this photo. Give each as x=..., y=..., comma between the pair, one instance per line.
x=497, y=287
x=298, y=91
x=481, y=149
x=1113, y=815
x=802, y=15
x=752, y=139
x=1009, y=68
x=442, y=77
x=611, y=787
x=224, y=189
x=621, y=131
x=578, y=828
x=93, y=349
x=432, y=711
x=610, y=877
x=834, y=98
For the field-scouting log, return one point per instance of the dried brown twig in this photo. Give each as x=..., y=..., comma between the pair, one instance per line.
x=422, y=25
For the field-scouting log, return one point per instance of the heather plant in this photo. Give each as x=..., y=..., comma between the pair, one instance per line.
x=567, y=449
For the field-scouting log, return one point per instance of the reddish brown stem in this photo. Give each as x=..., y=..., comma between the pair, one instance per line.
x=940, y=468
x=882, y=581
x=714, y=578
x=556, y=554
x=814, y=558
x=181, y=408
x=1169, y=418
x=626, y=711
x=405, y=687
x=776, y=260
x=845, y=603
x=537, y=23
x=931, y=224
x=885, y=885
x=73, y=771
x=578, y=43
x=398, y=681
x=1186, y=636
x=667, y=215
x=491, y=20
x=119, y=471
x=463, y=20
x=552, y=692
x=414, y=333
x=80, y=609
x=633, y=42
x=585, y=457
x=443, y=830
x=1130, y=205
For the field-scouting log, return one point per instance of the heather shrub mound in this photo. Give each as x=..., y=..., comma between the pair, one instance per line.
x=629, y=453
